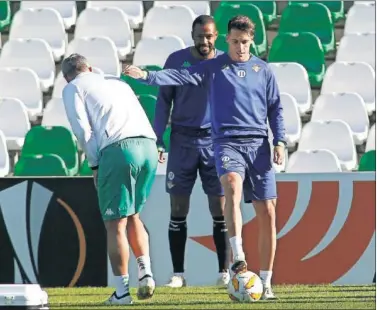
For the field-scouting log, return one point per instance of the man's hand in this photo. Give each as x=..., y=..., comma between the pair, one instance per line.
x=279, y=154
x=161, y=157
x=134, y=72
x=95, y=178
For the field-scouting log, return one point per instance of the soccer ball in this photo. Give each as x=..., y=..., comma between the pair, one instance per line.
x=245, y=287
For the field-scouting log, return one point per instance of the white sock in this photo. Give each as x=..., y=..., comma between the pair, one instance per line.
x=236, y=245
x=266, y=276
x=122, y=285
x=179, y=274
x=144, y=266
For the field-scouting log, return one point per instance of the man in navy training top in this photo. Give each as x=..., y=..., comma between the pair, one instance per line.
x=191, y=150
x=244, y=98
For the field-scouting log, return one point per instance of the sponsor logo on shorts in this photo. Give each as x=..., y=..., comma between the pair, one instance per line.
x=170, y=184
x=225, y=160
x=171, y=175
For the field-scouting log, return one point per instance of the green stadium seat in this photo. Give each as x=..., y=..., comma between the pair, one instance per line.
x=56, y=140
x=139, y=88
x=304, y=48
x=225, y=12
x=222, y=45
x=148, y=102
x=40, y=165
x=5, y=15
x=368, y=161
x=310, y=17
x=85, y=169
x=336, y=8
x=166, y=138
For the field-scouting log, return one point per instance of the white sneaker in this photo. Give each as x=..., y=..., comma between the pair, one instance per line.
x=223, y=279
x=146, y=287
x=268, y=294
x=176, y=281
x=126, y=299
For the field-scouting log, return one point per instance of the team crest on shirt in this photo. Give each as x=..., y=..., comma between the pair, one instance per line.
x=241, y=73
x=186, y=64
x=256, y=68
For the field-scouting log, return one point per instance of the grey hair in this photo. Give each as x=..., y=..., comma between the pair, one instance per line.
x=73, y=65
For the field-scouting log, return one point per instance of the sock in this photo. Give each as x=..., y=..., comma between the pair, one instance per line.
x=177, y=242
x=122, y=285
x=220, y=240
x=236, y=245
x=266, y=277
x=144, y=266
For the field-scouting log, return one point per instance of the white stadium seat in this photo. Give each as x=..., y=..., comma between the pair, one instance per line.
x=4, y=156
x=14, y=122
x=35, y=54
x=335, y=136
x=361, y=19
x=108, y=22
x=356, y=77
x=358, y=47
x=371, y=140
x=67, y=9
x=198, y=7
x=313, y=161
x=54, y=114
x=133, y=9
x=165, y=21
x=292, y=119
x=23, y=84
x=155, y=51
x=292, y=78
x=44, y=24
x=101, y=52
x=60, y=82
x=349, y=107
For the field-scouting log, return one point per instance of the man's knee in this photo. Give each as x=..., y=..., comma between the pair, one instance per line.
x=116, y=226
x=265, y=209
x=216, y=205
x=179, y=206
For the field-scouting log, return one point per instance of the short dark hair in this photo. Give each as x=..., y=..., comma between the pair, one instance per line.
x=203, y=20
x=73, y=65
x=243, y=23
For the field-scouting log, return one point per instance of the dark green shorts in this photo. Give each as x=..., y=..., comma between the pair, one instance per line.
x=125, y=176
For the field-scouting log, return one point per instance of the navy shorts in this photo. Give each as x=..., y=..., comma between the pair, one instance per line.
x=251, y=158
x=188, y=156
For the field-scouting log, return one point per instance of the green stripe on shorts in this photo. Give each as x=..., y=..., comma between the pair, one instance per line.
x=126, y=174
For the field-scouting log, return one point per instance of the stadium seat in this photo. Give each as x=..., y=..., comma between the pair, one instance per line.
x=371, y=140
x=4, y=156
x=268, y=9
x=357, y=77
x=335, y=136
x=313, y=161
x=34, y=54
x=85, y=170
x=292, y=78
x=198, y=7
x=133, y=9
x=139, y=88
x=222, y=45
x=108, y=22
x=336, y=8
x=304, y=48
x=165, y=21
x=148, y=102
x=292, y=119
x=5, y=15
x=56, y=140
x=155, y=51
x=361, y=19
x=349, y=107
x=40, y=165
x=67, y=9
x=368, y=161
x=44, y=24
x=60, y=82
x=224, y=13
x=309, y=17
x=54, y=114
x=23, y=84
x=14, y=122
x=101, y=53
x=358, y=47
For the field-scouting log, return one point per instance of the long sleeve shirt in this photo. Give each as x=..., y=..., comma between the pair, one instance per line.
x=244, y=96
x=103, y=110
x=190, y=104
